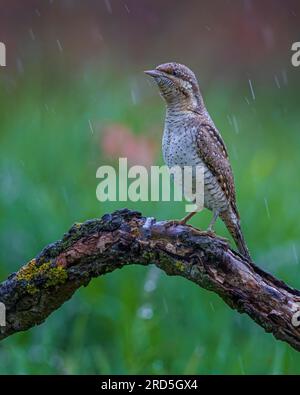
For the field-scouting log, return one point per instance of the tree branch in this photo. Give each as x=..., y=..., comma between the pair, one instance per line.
x=97, y=247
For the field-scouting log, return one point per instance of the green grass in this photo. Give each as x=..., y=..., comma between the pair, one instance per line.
x=48, y=165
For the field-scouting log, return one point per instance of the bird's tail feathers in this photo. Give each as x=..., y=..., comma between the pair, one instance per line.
x=232, y=223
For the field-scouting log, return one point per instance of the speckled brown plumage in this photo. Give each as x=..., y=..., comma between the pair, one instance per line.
x=191, y=139
x=214, y=154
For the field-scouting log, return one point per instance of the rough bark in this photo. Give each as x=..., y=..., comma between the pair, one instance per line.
x=99, y=246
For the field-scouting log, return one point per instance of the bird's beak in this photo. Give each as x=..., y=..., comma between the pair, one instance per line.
x=153, y=73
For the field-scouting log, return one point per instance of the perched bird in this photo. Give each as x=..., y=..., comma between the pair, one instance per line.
x=190, y=138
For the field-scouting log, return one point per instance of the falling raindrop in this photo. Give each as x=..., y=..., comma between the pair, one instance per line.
x=65, y=194
x=284, y=77
x=267, y=207
x=235, y=124
x=251, y=89
x=229, y=120
x=127, y=8
x=108, y=6
x=31, y=34
x=134, y=90
x=295, y=253
x=247, y=100
x=59, y=45
x=91, y=126
x=133, y=96
x=20, y=66
x=241, y=365
x=276, y=81
x=268, y=36
x=99, y=36
x=165, y=306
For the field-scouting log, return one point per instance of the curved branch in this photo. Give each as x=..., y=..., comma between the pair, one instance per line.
x=99, y=246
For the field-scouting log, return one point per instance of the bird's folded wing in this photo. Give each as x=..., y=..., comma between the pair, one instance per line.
x=213, y=152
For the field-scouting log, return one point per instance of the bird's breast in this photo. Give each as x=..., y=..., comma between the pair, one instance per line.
x=180, y=148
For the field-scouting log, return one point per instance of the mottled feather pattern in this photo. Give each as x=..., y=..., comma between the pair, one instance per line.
x=214, y=154
x=191, y=139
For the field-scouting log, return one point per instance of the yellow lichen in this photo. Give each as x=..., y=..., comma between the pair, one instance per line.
x=180, y=266
x=27, y=271
x=52, y=275
x=31, y=289
x=56, y=275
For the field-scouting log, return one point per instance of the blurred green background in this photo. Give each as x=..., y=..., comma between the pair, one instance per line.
x=73, y=97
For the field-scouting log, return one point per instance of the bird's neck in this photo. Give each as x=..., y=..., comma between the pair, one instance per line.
x=176, y=112
x=182, y=106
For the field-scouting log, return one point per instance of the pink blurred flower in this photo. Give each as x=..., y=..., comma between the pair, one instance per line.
x=118, y=141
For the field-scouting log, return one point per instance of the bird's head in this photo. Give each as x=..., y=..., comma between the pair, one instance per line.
x=178, y=86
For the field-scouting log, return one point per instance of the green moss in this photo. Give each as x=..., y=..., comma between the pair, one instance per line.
x=46, y=274
x=149, y=256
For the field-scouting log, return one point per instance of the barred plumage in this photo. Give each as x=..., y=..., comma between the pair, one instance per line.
x=191, y=138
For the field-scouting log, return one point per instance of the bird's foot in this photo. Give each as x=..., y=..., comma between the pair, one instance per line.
x=177, y=222
x=210, y=231
x=174, y=222
x=227, y=241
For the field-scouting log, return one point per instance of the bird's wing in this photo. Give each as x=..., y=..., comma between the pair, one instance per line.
x=213, y=152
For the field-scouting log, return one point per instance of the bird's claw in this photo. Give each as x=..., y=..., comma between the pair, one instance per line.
x=223, y=239
x=173, y=222
x=211, y=232
x=178, y=222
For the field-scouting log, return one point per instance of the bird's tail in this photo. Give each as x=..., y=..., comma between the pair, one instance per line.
x=232, y=223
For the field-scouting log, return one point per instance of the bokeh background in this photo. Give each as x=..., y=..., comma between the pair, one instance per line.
x=73, y=97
